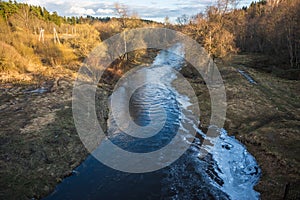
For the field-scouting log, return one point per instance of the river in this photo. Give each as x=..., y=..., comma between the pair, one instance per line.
x=228, y=171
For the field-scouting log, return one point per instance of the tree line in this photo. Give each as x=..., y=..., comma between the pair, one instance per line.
x=268, y=27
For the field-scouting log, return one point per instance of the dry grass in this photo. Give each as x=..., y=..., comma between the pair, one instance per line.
x=266, y=118
x=11, y=60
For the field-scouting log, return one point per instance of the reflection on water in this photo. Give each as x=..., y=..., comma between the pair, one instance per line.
x=147, y=102
x=227, y=172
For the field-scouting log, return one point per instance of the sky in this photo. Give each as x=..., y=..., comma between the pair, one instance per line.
x=150, y=9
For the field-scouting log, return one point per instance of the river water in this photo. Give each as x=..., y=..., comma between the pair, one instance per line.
x=228, y=171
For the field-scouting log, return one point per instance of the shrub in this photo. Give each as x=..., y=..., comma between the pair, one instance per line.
x=11, y=60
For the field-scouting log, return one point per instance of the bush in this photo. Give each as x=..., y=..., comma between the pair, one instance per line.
x=11, y=60
x=53, y=54
x=86, y=39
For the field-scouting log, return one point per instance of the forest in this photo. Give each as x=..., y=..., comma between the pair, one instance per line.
x=268, y=29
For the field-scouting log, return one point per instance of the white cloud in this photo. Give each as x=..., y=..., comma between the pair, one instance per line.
x=157, y=9
x=76, y=10
x=90, y=12
x=105, y=11
x=108, y=4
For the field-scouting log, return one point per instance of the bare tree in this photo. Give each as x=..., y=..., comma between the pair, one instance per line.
x=183, y=20
x=23, y=16
x=122, y=12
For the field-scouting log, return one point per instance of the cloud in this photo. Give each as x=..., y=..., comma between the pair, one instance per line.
x=76, y=10
x=105, y=11
x=153, y=9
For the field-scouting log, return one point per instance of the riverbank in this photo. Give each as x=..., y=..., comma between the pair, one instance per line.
x=40, y=145
x=39, y=142
x=266, y=118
